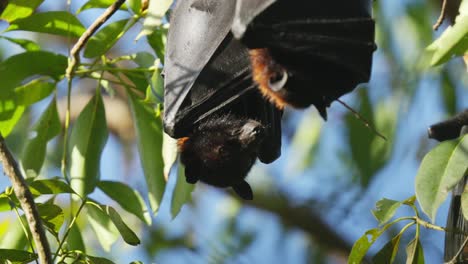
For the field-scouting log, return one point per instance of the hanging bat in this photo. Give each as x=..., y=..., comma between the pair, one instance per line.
x=212, y=105
x=297, y=52
x=307, y=52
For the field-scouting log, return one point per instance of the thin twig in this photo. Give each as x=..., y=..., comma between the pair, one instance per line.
x=26, y=200
x=441, y=18
x=74, y=53
x=358, y=116
x=460, y=250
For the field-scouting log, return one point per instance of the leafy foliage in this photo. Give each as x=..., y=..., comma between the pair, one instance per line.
x=35, y=77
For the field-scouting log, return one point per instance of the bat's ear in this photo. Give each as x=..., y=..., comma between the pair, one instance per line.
x=190, y=176
x=243, y=190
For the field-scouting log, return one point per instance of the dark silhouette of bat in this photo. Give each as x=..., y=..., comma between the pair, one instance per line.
x=222, y=121
x=298, y=52
x=307, y=52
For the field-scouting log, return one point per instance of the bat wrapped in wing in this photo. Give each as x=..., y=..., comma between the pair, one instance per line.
x=211, y=103
x=307, y=52
x=298, y=52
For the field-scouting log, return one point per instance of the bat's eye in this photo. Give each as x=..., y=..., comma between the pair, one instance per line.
x=278, y=81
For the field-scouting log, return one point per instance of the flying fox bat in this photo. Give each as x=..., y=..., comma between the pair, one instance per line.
x=222, y=54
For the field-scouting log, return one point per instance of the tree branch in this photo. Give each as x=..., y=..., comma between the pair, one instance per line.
x=26, y=200
x=74, y=53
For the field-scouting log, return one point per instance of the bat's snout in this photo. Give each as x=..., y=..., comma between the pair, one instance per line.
x=252, y=132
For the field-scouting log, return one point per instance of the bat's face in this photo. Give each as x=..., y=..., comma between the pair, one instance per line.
x=222, y=151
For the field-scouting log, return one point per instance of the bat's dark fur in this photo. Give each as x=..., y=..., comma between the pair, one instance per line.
x=324, y=47
x=221, y=152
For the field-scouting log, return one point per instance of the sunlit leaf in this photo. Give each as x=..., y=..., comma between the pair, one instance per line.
x=441, y=169
x=169, y=154
x=15, y=69
x=105, y=39
x=454, y=40
x=87, y=141
x=52, y=217
x=414, y=252
x=19, y=9
x=182, y=191
x=33, y=92
x=49, y=186
x=135, y=5
x=8, y=119
x=14, y=238
x=128, y=198
x=98, y=4
x=15, y=255
x=156, y=12
x=26, y=44
x=45, y=129
x=127, y=234
x=362, y=245
x=385, y=209
x=52, y=22
x=149, y=134
x=157, y=40
x=104, y=229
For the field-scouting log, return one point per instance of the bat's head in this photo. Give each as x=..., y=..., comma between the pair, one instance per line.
x=221, y=152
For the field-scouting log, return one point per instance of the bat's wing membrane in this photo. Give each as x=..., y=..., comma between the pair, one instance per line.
x=197, y=29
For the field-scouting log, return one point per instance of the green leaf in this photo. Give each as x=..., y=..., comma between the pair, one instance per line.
x=182, y=191
x=15, y=255
x=135, y=6
x=4, y=204
x=388, y=252
x=9, y=118
x=156, y=12
x=414, y=252
x=385, y=209
x=127, y=234
x=105, y=39
x=98, y=4
x=33, y=92
x=149, y=135
x=157, y=40
x=87, y=141
x=454, y=40
x=19, y=9
x=75, y=239
x=26, y=44
x=102, y=225
x=169, y=154
x=49, y=186
x=441, y=169
x=362, y=245
x=155, y=90
x=45, y=129
x=15, y=69
x=53, y=22
x=14, y=237
x=128, y=198
x=52, y=217
x=99, y=260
